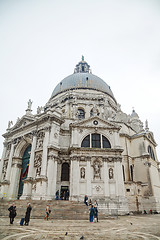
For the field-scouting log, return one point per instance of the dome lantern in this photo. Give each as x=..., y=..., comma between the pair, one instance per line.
x=82, y=67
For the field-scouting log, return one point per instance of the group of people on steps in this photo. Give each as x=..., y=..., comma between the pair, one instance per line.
x=13, y=213
x=93, y=210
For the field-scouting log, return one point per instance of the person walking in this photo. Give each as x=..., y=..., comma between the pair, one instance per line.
x=95, y=214
x=12, y=213
x=86, y=200
x=47, y=212
x=91, y=213
x=28, y=213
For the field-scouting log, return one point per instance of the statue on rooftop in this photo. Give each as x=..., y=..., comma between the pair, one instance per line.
x=29, y=104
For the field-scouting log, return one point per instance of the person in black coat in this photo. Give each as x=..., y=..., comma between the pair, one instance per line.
x=27, y=216
x=12, y=213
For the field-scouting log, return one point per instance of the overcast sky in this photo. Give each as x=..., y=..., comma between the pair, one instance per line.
x=41, y=41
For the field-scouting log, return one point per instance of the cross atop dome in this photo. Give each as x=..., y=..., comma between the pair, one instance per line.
x=82, y=67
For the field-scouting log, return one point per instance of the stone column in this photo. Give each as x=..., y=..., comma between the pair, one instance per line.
x=119, y=178
x=52, y=177
x=45, y=152
x=8, y=173
x=106, y=178
x=88, y=177
x=71, y=179
x=15, y=176
x=75, y=179
x=2, y=159
x=31, y=160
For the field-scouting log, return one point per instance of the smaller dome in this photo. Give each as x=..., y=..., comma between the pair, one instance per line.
x=134, y=114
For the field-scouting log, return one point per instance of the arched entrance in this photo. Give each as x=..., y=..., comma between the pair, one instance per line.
x=64, y=194
x=24, y=170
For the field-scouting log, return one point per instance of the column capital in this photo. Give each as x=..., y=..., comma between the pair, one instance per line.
x=34, y=133
x=47, y=128
x=112, y=159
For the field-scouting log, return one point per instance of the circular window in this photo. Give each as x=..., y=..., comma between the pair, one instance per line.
x=95, y=122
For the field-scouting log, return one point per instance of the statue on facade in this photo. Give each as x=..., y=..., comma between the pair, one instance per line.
x=39, y=109
x=110, y=173
x=94, y=111
x=83, y=173
x=96, y=167
x=9, y=124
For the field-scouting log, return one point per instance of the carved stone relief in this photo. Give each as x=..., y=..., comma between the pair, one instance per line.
x=4, y=170
x=40, y=138
x=37, y=164
x=98, y=188
x=34, y=187
x=8, y=150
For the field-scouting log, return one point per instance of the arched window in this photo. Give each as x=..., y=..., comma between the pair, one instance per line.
x=95, y=141
x=131, y=172
x=106, y=143
x=86, y=142
x=81, y=114
x=65, y=172
x=151, y=153
x=123, y=172
x=24, y=170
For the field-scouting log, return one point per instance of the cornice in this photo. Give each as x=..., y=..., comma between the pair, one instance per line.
x=37, y=121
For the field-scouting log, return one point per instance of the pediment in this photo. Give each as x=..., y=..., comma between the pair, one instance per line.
x=95, y=122
x=24, y=121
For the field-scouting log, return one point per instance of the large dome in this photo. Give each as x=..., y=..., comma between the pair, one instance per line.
x=82, y=78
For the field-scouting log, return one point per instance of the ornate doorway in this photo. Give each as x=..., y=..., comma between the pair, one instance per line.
x=24, y=170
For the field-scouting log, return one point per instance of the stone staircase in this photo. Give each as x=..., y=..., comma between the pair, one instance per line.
x=60, y=209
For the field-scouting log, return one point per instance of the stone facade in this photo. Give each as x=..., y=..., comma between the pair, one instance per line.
x=81, y=142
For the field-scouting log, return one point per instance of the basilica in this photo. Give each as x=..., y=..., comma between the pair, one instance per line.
x=82, y=143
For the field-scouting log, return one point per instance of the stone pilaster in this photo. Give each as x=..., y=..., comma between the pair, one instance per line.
x=75, y=178
x=106, y=177
x=8, y=173
x=2, y=160
x=116, y=140
x=74, y=138
x=45, y=152
x=15, y=176
x=52, y=177
x=88, y=177
x=31, y=160
x=71, y=179
x=120, y=191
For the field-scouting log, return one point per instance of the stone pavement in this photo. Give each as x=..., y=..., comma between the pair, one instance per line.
x=121, y=228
